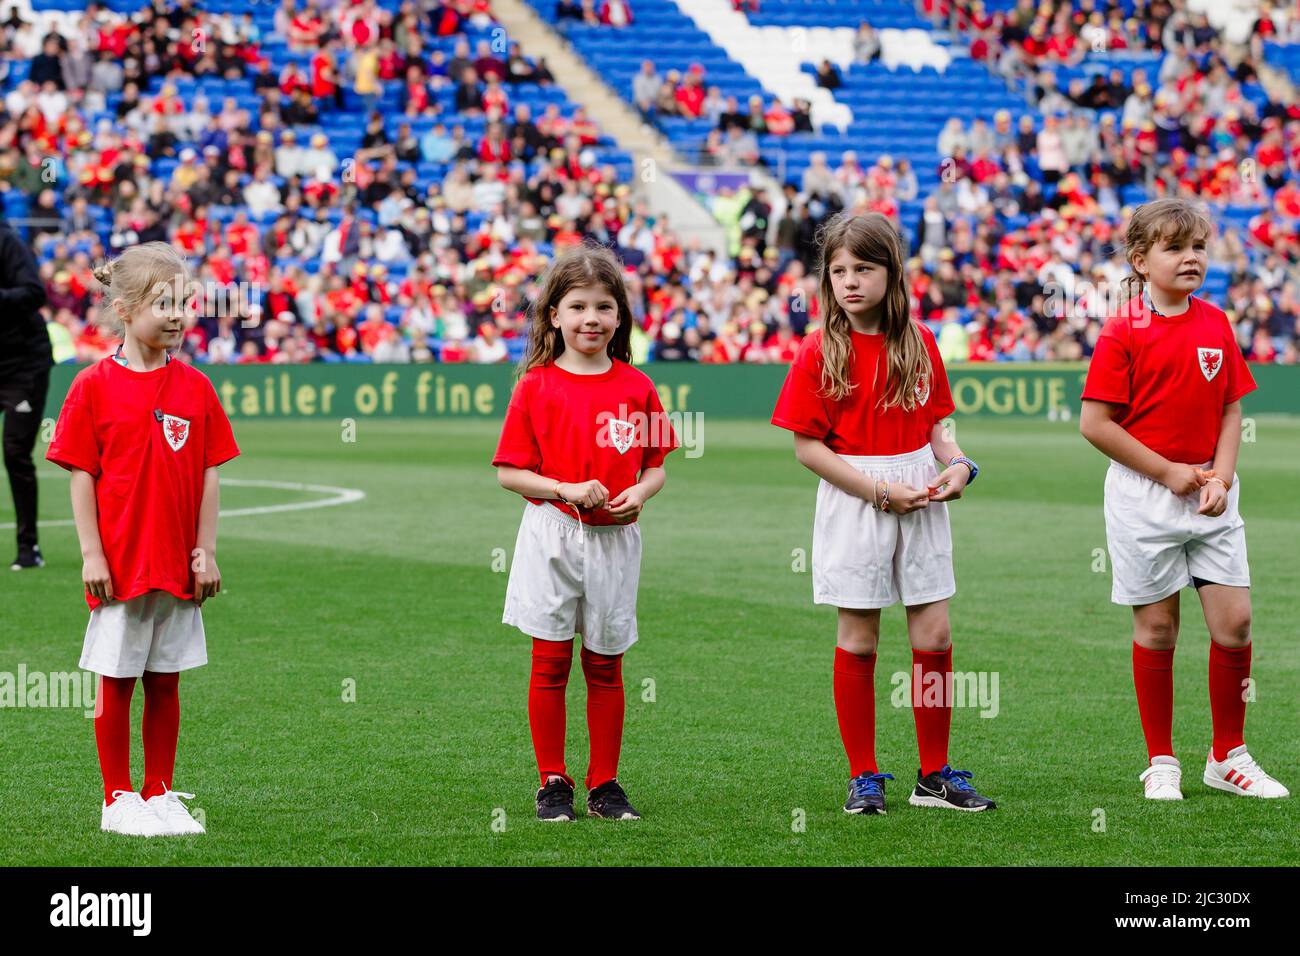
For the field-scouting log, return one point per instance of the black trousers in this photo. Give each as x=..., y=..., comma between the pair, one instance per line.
x=22, y=402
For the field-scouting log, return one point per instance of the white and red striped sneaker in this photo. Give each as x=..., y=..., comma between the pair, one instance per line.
x=1162, y=780
x=1240, y=774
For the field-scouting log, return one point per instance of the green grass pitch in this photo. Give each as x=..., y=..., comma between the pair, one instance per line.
x=737, y=758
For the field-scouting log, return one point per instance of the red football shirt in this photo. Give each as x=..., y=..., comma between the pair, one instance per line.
x=1172, y=374
x=148, y=473
x=856, y=424
x=574, y=428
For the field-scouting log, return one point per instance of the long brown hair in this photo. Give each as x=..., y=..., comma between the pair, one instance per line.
x=1172, y=219
x=871, y=238
x=585, y=265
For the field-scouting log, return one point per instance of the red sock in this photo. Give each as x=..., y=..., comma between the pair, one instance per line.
x=551, y=663
x=1153, y=678
x=604, y=675
x=855, y=708
x=1229, y=668
x=113, y=733
x=160, y=726
x=932, y=721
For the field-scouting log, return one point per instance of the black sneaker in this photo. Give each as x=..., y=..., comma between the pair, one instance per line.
x=867, y=793
x=948, y=788
x=609, y=801
x=555, y=801
x=28, y=558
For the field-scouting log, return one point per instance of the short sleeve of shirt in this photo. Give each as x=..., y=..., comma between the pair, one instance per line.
x=1108, y=373
x=1240, y=380
x=219, y=445
x=74, y=444
x=941, y=404
x=518, y=446
x=663, y=439
x=800, y=407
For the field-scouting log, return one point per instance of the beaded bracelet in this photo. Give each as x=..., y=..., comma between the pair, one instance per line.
x=882, y=490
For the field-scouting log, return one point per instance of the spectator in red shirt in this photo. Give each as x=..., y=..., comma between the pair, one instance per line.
x=779, y=120
x=241, y=235
x=487, y=63
x=690, y=95
x=454, y=351
x=494, y=147
x=305, y=29
x=1286, y=201
x=784, y=345
x=345, y=335
x=495, y=102
x=324, y=75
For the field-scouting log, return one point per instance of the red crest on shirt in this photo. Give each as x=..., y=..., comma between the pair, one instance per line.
x=923, y=391
x=620, y=434
x=1211, y=360
x=176, y=430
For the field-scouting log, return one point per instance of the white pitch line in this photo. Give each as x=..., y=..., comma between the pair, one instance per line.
x=341, y=496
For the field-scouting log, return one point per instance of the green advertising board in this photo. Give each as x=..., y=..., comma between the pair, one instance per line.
x=726, y=391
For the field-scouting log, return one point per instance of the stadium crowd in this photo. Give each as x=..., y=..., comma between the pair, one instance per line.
x=357, y=262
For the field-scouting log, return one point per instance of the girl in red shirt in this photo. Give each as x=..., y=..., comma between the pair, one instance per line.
x=1162, y=400
x=866, y=398
x=584, y=441
x=143, y=435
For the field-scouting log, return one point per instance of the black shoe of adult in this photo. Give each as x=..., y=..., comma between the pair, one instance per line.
x=28, y=558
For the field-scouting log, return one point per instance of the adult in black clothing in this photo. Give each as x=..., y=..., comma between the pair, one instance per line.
x=802, y=114
x=46, y=66
x=264, y=79
x=754, y=218
x=524, y=129
x=1097, y=96
x=828, y=78
x=732, y=116
x=469, y=95
x=1118, y=88
x=25, y=360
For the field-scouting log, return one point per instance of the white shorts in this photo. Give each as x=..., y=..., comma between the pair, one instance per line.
x=155, y=631
x=863, y=558
x=567, y=578
x=1158, y=542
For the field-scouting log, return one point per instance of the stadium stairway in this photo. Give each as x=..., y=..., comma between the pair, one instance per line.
x=616, y=118
x=1281, y=68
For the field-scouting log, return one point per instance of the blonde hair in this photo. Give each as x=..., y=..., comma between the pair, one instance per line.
x=585, y=265
x=138, y=277
x=1171, y=219
x=871, y=238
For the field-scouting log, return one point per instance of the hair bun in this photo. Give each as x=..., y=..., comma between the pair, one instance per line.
x=104, y=273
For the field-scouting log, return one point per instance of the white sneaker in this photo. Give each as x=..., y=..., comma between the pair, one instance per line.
x=1163, y=779
x=128, y=814
x=1240, y=774
x=169, y=809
